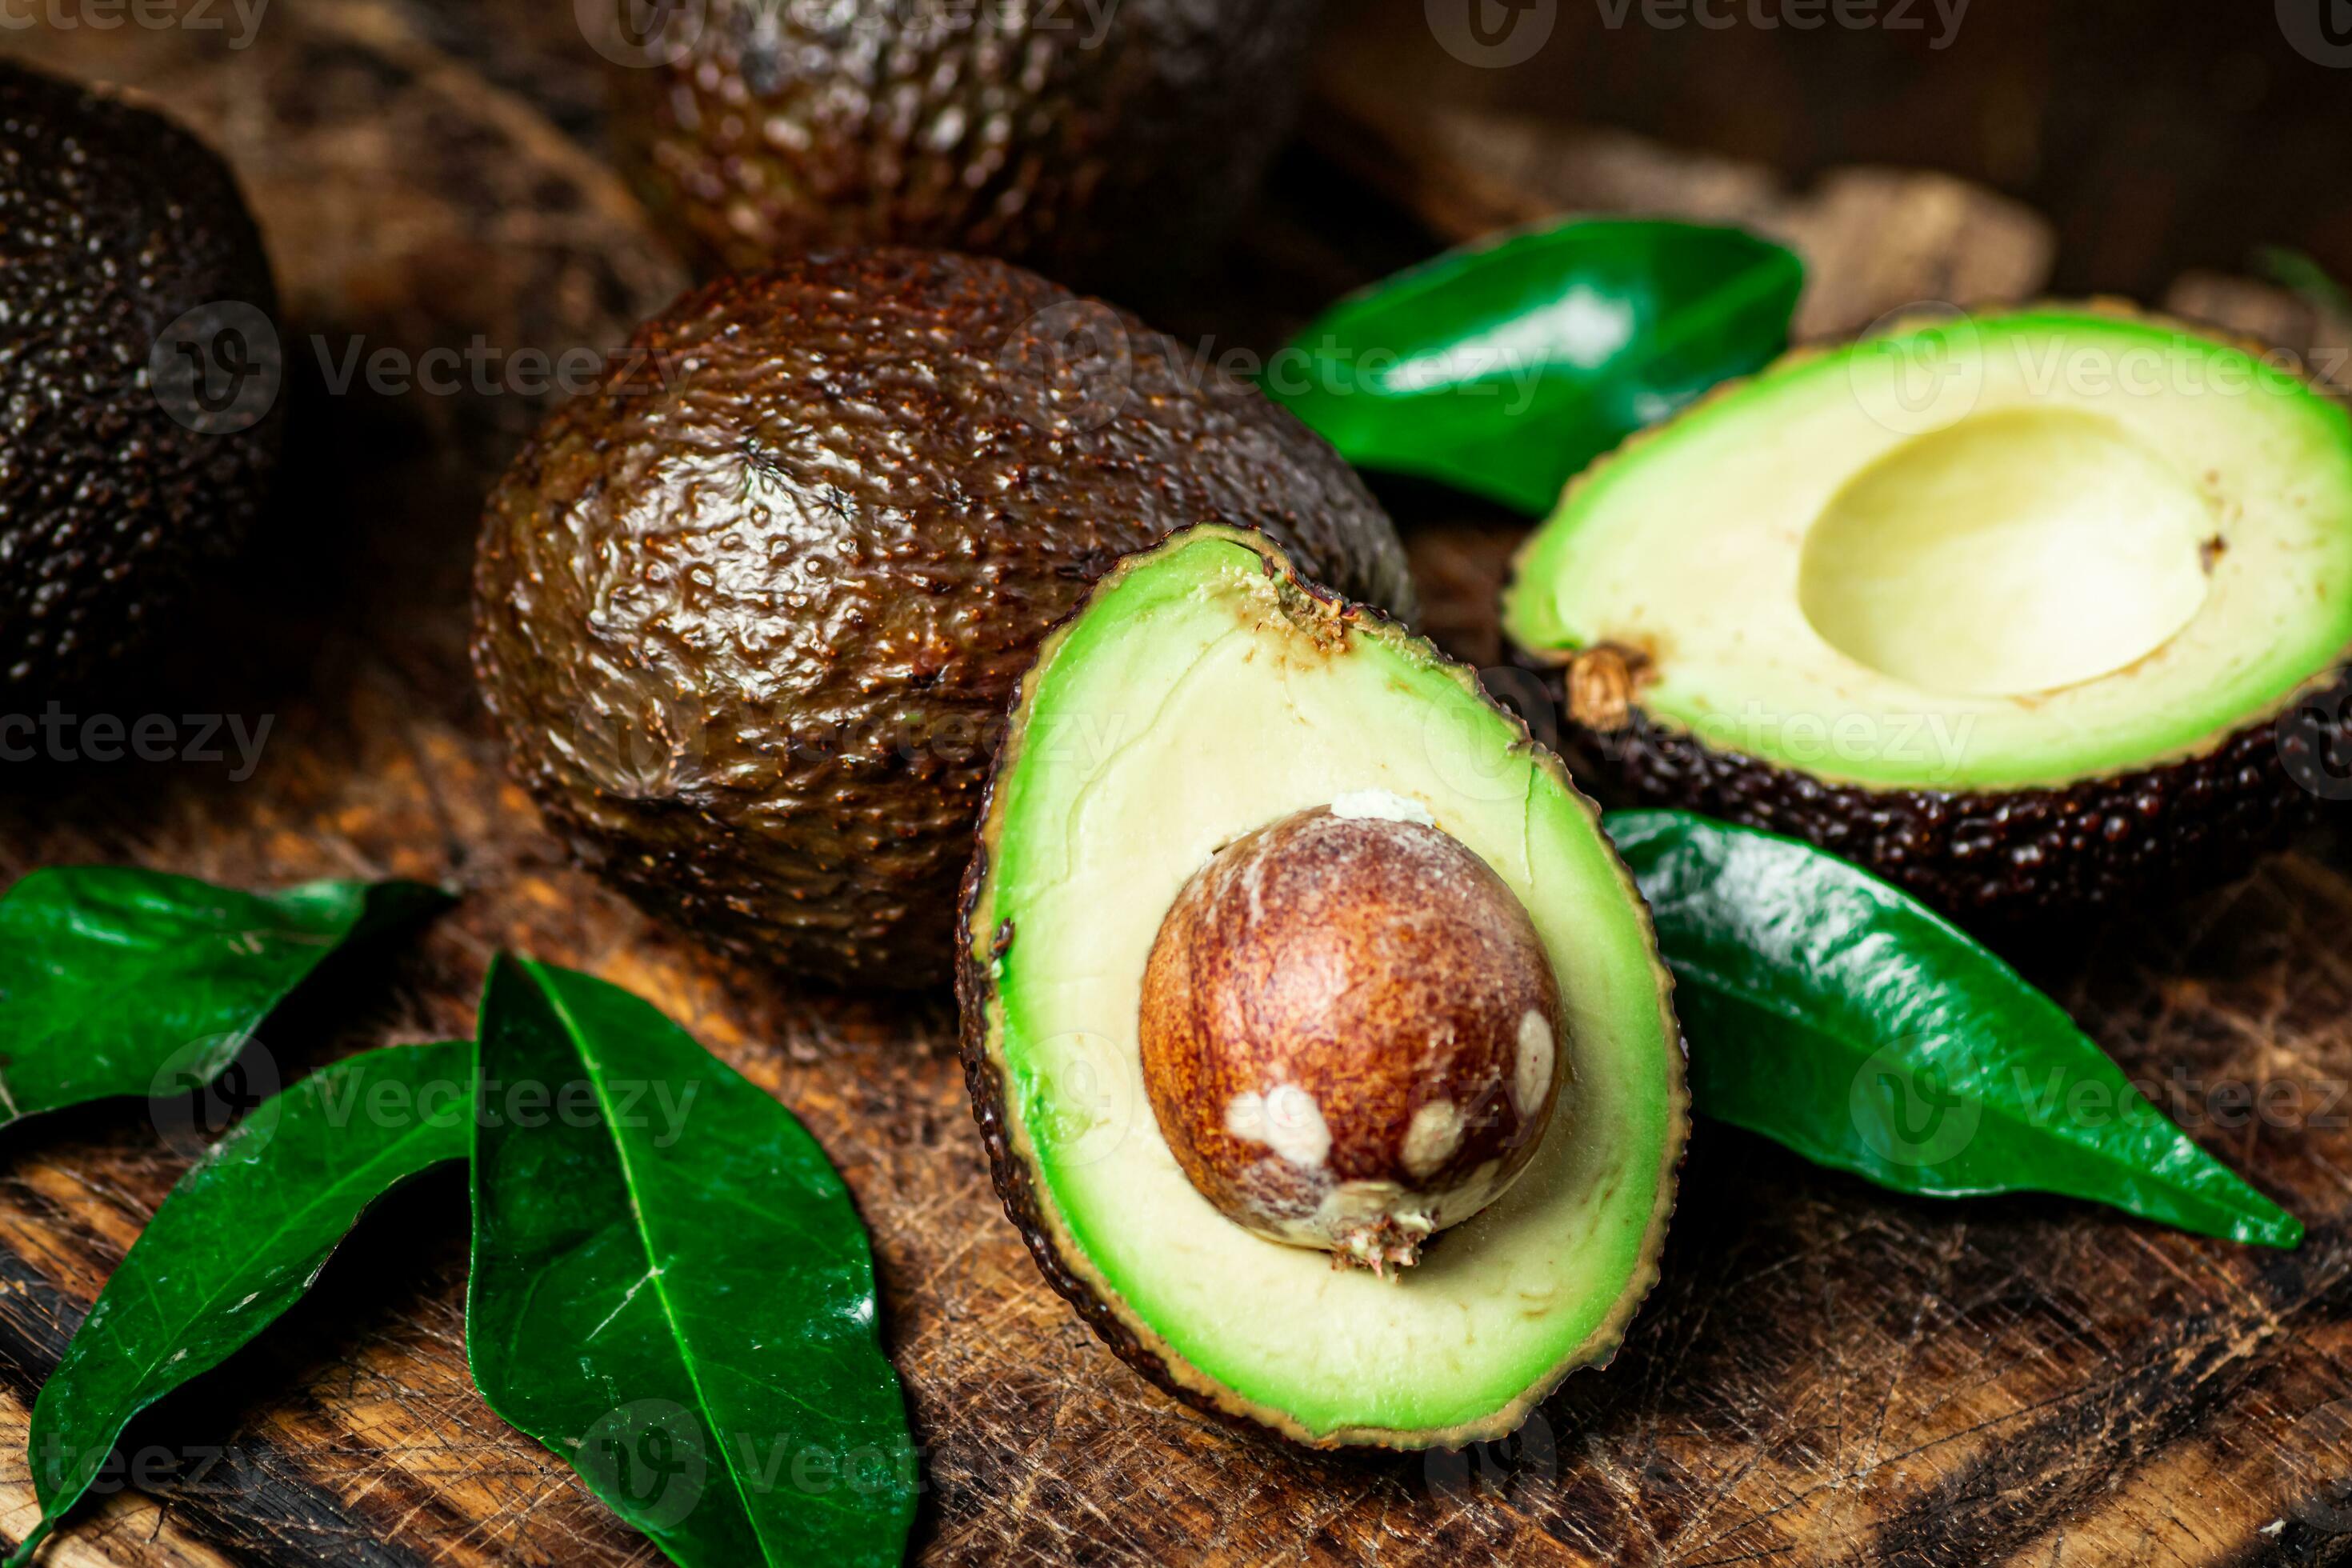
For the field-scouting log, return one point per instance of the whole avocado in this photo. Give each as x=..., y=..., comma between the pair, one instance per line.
x=749, y=613
x=115, y=224
x=1097, y=143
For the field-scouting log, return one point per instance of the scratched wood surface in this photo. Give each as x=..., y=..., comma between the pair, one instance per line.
x=1826, y=1374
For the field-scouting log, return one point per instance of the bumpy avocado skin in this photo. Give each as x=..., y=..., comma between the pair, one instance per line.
x=750, y=613
x=113, y=223
x=1097, y=144
x=2018, y=857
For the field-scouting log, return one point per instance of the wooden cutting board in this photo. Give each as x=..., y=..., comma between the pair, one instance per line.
x=1827, y=1373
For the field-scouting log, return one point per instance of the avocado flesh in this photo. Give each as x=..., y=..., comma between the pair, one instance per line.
x=1202, y=693
x=2012, y=575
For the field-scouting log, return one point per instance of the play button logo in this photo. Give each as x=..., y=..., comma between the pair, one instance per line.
x=1492, y=33
x=2320, y=30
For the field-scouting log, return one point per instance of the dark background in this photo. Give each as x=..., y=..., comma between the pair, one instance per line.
x=2155, y=137
x=1828, y=1374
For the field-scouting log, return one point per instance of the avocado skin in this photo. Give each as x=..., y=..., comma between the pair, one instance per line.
x=749, y=613
x=2014, y=856
x=992, y=128
x=113, y=223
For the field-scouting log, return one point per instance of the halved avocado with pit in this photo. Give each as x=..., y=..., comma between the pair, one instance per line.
x=2023, y=611
x=1202, y=693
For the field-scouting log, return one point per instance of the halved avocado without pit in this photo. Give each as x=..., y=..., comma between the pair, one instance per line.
x=1202, y=693
x=2023, y=612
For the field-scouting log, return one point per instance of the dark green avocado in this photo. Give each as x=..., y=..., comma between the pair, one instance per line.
x=749, y=613
x=1097, y=144
x=2024, y=611
x=114, y=225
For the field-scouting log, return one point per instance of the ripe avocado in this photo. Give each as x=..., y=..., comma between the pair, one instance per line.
x=114, y=223
x=1241, y=696
x=2025, y=611
x=1097, y=144
x=749, y=613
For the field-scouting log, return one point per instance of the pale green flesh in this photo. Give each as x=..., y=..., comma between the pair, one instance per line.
x=1183, y=710
x=1974, y=555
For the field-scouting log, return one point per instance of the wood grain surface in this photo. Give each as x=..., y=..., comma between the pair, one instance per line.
x=1826, y=1374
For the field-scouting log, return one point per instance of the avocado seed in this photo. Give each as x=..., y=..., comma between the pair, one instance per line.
x=1350, y=1031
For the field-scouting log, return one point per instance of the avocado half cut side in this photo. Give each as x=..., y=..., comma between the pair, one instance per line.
x=1202, y=692
x=2023, y=612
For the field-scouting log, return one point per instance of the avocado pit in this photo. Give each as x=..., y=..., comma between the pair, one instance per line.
x=1349, y=1031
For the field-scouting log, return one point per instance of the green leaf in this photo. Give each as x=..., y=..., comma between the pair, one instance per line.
x=117, y=981
x=1505, y=368
x=670, y=1288
x=2296, y=271
x=1834, y=1013
x=238, y=1241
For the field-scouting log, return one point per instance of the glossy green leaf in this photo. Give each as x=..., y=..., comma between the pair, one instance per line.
x=671, y=1290
x=238, y=1241
x=1505, y=368
x=118, y=981
x=1832, y=1013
